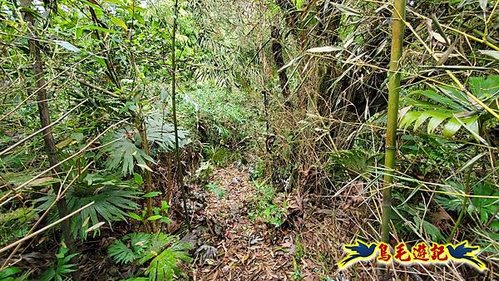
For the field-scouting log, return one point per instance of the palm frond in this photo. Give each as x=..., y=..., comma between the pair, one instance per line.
x=163, y=251
x=448, y=110
x=112, y=199
x=124, y=153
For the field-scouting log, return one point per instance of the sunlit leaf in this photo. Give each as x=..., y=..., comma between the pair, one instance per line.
x=95, y=226
x=119, y=22
x=490, y=53
x=68, y=46
x=325, y=49
x=436, y=119
x=347, y=10
x=451, y=127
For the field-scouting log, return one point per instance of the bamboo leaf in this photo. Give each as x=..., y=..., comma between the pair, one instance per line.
x=485, y=87
x=483, y=5
x=438, y=37
x=347, y=10
x=325, y=49
x=119, y=22
x=95, y=226
x=290, y=63
x=154, y=218
x=490, y=53
x=68, y=46
x=144, y=166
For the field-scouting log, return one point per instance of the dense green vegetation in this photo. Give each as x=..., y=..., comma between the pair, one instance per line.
x=205, y=140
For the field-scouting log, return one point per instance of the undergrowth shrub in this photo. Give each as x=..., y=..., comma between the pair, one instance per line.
x=160, y=253
x=21, y=218
x=222, y=117
x=62, y=266
x=266, y=206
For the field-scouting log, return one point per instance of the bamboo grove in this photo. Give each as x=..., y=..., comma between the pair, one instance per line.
x=249, y=140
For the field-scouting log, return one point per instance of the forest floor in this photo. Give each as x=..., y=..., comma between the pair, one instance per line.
x=233, y=246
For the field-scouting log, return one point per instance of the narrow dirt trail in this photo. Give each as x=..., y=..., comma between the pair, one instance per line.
x=231, y=246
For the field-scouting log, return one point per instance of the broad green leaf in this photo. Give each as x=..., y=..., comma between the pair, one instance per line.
x=117, y=2
x=77, y=137
x=471, y=124
x=485, y=87
x=9, y=272
x=441, y=99
x=125, y=153
x=421, y=119
x=154, y=218
x=138, y=179
x=119, y=22
x=64, y=143
x=139, y=18
x=436, y=119
x=96, y=7
x=79, y=33
x=111, y=203
x=432, y=231
x=409, y=118
x=298, y=4
x=451, y=127
x=457, y=96
x=151, y=194
x=135, y=216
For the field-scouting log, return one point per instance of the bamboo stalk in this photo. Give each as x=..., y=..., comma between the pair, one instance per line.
x=48, y=136
x=178, y=166
x=398, y=27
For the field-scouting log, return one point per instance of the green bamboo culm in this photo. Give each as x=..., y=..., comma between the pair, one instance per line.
x=398, y=26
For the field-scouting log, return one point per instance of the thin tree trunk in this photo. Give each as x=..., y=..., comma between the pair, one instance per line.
x=148, y=184
x=48, y=137
x=179, y=178
x=398, y=27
